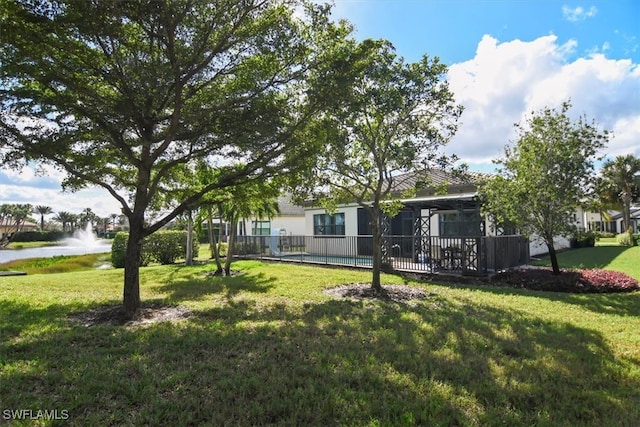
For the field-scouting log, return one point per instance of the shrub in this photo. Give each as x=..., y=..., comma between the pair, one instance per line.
x=605, y=234
x=574, y=281
x=167, y=246
x=626, y=239
x=39, y=236
x=162, y=246
x=119, y=251
x=583, y=239
x=246, y=248
x=223, y=248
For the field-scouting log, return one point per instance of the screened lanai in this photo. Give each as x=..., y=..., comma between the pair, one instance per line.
x=433, y=234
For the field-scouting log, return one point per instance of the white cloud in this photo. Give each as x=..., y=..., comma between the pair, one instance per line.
x=506, y=81
x=34, y=175
x=578, y=13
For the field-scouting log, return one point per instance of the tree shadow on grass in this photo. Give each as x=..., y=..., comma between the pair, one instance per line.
x=18, y=317
x=199, y=286
x=621, y=304
x=339, y=362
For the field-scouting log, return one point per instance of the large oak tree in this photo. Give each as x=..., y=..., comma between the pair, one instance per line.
x=121, y=94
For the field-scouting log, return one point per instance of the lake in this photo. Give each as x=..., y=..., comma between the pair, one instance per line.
x=97, y=247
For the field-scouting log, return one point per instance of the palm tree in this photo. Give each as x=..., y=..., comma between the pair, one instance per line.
x=113, y=217
x=620, y=180
x=64, y=218
x=42, y=210
x=257, y=199
x=105, y=224
x=12, y=218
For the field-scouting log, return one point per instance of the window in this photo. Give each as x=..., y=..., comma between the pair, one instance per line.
x=328, y=225
x=261, y=228
x=453, y=224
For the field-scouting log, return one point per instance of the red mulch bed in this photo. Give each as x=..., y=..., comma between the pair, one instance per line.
x=574, y=281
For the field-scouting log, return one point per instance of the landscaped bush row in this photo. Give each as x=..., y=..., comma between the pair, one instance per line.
x=575, y=281
x=162, y=246
x=583, y=239
x=605, y=234
x=39, y=236
x=246, y=248
x=627, y=239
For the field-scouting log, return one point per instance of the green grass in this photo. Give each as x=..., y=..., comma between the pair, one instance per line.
x=27, y=245
x=268, y=347
x=607, y=241
x=608, y=257
x=58, y=264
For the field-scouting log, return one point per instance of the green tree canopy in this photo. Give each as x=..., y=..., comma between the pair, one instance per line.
x=619, y=183
x=546, y=175
x=12, y=218
x=42, y=211
x=122, y=95
x=395, y=118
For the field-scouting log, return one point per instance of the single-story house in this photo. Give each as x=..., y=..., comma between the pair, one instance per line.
x=635, y=221
x=441, y=227
x=613, y=221
x=289, y=221
x=596, y=221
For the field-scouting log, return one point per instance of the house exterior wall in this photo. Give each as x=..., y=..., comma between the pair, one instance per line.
x=635, y=223
x=537, y=247
x=597, y=222
x=333, y=245
x=350, y=219
x=26, y=226
x=294, y=225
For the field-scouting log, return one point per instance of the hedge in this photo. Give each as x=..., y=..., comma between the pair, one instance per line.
x=163, y=247
x=627, y=239
x=39, y=236
x=583, y=239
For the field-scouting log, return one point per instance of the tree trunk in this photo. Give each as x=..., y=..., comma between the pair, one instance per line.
x=377, y=251
x=221, y=232
x=213, y=244
x=553, y=257
x=230, y=245
x=131, y=298
x=626, y=199
x=210, y=233
x=189, y=249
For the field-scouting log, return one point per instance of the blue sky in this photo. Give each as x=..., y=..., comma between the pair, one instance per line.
x=452, y=29
x=506, y=58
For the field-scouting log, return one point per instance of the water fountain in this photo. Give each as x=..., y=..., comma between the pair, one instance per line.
x=85, y=238
x=82, y=242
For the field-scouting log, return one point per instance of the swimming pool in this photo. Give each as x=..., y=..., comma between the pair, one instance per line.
x=328, y=259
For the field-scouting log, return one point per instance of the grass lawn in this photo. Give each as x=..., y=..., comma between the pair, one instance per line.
x=58, y=264
x=27, y=245
x=607, y=256
x=268, y=347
